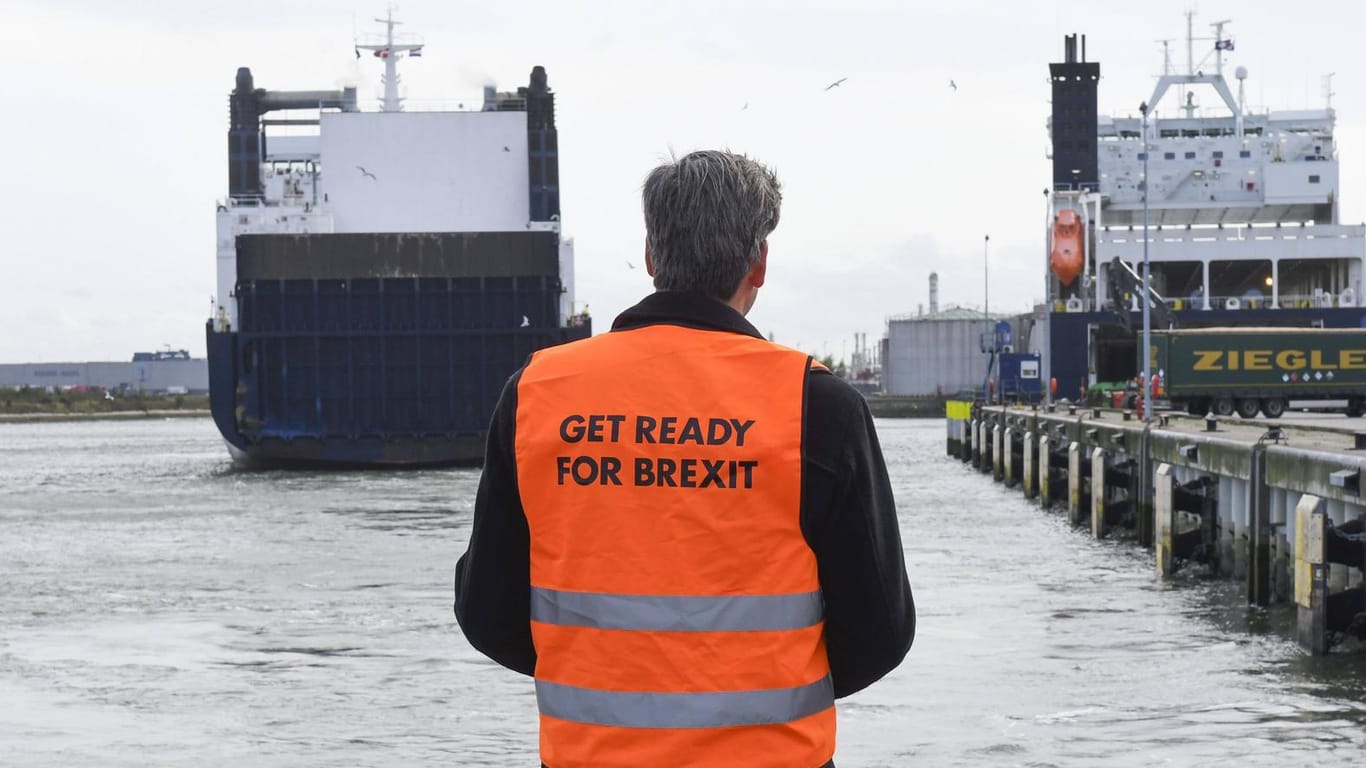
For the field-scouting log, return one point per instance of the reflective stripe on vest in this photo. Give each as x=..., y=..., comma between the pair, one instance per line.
x=676, y=607
x=684, y=710
x=677, y=613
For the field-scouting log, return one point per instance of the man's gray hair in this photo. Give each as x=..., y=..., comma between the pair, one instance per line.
x=705, y=216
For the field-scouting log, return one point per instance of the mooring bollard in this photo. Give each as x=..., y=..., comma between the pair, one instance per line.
x=1044, y=491
x=1008, y=456
x=983, y=445
x=984, y=464
x=1311, y=575
x=1027, y=474
x=1164, y=514
x=997, y=433
x=1074, y=481
x=1097, y=493
x=973, y=442
x=1260, y=579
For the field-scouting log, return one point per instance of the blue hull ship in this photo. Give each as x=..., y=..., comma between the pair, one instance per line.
x=382, y=273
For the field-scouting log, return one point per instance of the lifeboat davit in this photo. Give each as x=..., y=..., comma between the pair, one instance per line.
x=1066, y=257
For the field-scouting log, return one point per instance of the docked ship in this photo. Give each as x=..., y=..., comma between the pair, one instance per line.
x=1240, y=208
x=382, y=273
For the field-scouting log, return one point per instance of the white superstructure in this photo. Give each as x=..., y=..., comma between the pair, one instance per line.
x=1242, y=206
x=329, y=168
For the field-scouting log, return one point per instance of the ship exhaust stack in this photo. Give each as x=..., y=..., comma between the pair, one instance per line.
x=246, y=142
x=543, y=148
x=934, y=294
x=244, y=139
x=1073, y=125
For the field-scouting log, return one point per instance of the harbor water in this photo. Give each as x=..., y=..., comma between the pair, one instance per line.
x=161, y=608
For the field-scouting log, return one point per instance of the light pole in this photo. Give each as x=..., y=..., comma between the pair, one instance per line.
x=1147, y=282
x=986, y=313
x=1046, y=348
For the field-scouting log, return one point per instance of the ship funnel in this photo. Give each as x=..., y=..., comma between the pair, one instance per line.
x=934, y=293
x=1073, y=125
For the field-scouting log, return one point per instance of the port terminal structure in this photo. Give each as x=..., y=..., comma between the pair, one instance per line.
x=1279, y=507
x=1235, y=209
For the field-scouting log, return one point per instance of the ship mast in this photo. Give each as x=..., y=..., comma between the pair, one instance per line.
x=390, y=50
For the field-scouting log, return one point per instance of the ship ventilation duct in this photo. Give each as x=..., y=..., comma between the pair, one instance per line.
x=934, y=293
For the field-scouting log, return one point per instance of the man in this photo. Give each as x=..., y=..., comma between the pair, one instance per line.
x=685, y=532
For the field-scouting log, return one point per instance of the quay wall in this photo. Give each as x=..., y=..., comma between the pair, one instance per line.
x=1279, y=507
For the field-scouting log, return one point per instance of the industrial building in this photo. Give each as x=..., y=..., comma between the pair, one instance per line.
x=162, y=372
x=942, y=352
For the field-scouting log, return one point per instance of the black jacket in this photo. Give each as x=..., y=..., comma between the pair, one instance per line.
x=847, y=516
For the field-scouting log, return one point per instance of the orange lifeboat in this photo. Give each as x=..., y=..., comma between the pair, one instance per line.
x=1066, y=257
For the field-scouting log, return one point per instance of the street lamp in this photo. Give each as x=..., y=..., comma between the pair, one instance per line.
x=986, y=313
x=1147, y=283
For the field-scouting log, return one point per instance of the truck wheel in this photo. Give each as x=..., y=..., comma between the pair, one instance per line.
x=1273, y=407
x=1197, y=407
x=1354, y=407
x=1222, y=406
x=1248, y=407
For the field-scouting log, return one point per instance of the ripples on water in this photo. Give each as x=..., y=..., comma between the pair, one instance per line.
x=160, y=608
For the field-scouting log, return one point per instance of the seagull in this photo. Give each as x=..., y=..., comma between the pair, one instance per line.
x=525, y=322
x=364, y=172
x=629, y=264
x=953, y=85
x=742, y=109
x=505, y=149
x=837, y=82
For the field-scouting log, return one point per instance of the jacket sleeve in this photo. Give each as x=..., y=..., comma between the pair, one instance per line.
x=493, y=578
x=849, y=517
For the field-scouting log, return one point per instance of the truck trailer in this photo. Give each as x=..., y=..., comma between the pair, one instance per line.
x=1246, y=370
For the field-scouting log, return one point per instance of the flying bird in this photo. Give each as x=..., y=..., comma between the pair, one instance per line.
x=953, y=85
x=505, y=149
x=525, y=321
x=364, y=172
x=742, y=109
x=629, y=264
x=837, y=82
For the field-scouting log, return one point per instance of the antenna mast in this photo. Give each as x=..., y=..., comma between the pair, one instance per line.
x=391, y=49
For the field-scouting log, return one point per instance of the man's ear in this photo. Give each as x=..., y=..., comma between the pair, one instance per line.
x=759, y=269
x=649, y=263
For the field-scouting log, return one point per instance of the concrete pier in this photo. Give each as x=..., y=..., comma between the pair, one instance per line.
x=1277, y=507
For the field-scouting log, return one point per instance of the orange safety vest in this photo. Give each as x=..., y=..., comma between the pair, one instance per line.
x=675, y=608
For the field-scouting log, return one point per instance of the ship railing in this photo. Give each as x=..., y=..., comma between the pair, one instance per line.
x=1319, y=300
x=473, y=103
x=1235, y=232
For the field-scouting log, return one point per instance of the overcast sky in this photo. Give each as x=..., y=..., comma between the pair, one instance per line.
x=116, y=116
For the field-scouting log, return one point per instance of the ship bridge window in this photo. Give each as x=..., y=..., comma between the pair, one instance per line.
x=1168, y=155
x=1244, y=154
x=1190, y=155
x=1142, y=156
x=1218, y=154
x=1314, y=178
